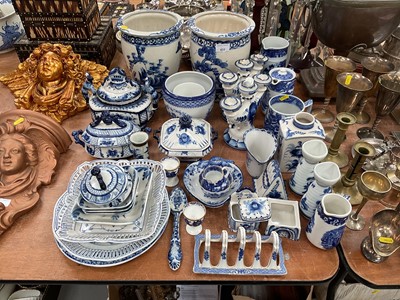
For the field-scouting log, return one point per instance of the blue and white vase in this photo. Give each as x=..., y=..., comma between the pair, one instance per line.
x=293, y=132
x=213, y=50
x=150, y=43
x=11, y=27
x=325, y=228
x=313, y=151
x=326, y=175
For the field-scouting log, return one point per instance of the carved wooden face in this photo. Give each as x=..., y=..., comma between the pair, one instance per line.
x=12, y=157
x=50, y=67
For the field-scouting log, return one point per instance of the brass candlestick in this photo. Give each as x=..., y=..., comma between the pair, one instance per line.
x=344, y=120
x=347, y=184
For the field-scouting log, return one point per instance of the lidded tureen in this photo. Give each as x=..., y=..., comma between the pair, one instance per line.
x=185, y=137
x=104, y=183
x=122, y=96
x=107, y=136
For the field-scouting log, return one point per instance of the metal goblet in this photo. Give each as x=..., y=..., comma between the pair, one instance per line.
x=373, y=67
x=351, y=88
x=372, y=185
x=384, y=236
x=388, y=98
x=334, y=65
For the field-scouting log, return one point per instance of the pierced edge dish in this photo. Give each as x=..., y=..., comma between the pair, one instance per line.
x=192, y=184
x=68, y=232
x=100, y=256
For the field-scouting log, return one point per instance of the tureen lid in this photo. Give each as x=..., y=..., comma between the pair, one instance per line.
x=101, y=184
x=186, y=137
x=118, y=89
x=255, y=209
x=109, y=130
x=282, y=74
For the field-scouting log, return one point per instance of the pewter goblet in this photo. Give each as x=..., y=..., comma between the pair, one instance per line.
x=384, y=236
x=351, y=88
x=334, y=65
x=372, y=185
x=373, y=67
x=387, y=99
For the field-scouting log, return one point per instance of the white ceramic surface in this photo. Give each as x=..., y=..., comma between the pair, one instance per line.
x=151, y=44
x=194, y=213
x=11, y=27
x=276, y=49
x=140, y=145
x=219, y=39
x=171, y=166
x=189, y=92
x=261, y=147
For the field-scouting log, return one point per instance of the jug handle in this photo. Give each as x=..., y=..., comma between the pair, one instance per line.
x=308, y=105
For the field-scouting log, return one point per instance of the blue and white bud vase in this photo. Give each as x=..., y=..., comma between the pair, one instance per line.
x=326, y=174
x=313, y=152
x=326, y=226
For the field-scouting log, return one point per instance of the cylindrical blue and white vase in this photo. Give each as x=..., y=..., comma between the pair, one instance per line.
x=326, y=174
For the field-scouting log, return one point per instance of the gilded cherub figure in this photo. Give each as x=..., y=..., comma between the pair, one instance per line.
x=30, y=145
x=50, y=81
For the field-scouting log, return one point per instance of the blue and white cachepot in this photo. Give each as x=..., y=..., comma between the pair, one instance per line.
x=10, y=26
x=150, y=43
x=293, y=132
x=276, y=49
x=325, y=228
x=218, y=40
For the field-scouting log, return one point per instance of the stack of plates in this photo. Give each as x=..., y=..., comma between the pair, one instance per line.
x=106, y=231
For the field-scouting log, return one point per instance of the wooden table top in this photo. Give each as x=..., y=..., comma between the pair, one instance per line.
x=29, y=252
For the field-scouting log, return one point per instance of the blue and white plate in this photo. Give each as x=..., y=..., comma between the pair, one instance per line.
x=139, y=222
x=270, y=183
x=192, y=183
x=112, y=254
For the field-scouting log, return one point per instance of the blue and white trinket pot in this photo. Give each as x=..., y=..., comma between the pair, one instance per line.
x=293, y=132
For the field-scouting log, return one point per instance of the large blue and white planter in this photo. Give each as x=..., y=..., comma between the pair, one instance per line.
x=10, y=27
x=218, y=40
x=325, y=228
x=150, y=43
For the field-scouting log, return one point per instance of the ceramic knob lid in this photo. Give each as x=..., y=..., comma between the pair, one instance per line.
x=262, y=79
x=255, y=209
x=230, y=104
x=244, y=64
x=103, y=183
x=228, y=78
x=248, y=86
x=118, y=89
x=284, y=74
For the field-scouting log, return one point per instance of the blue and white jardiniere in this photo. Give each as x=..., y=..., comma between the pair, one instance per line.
x=11, y=27
x=151, y=44
x=326, y=174
x=293, y=132
x=276, y=49
x=218, y=40
x=313, y=151
x=326, y=226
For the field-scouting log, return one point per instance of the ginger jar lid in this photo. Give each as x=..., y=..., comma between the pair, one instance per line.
x=118, y=89
x=282, y=74
x=255, y=209
x=102, y=184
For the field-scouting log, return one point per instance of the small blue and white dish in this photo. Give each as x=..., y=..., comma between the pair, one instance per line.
x=191, y=180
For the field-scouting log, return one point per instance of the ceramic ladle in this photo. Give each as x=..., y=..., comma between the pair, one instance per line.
x=177, y=202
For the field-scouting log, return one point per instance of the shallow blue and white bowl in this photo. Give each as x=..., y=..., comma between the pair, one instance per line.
x=189, y=92
x=10, y=27
x=218, y=40
x=151, y=44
